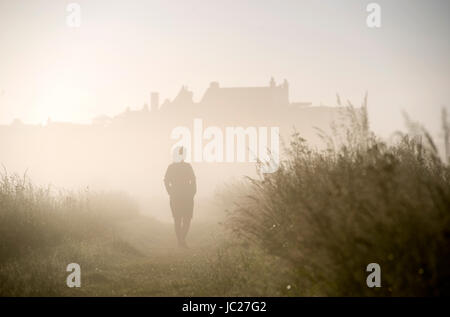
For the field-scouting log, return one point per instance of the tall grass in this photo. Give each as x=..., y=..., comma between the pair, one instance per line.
x=329, y=213
x=33, y=218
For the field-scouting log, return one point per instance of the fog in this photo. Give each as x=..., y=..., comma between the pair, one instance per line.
x=130, y=151
x=348, y=100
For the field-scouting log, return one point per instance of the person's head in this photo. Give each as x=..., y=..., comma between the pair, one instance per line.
x=179, y=154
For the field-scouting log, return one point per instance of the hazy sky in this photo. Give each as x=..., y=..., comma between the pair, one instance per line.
x=125, y=49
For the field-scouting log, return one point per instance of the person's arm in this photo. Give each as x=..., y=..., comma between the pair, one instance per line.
x=168, y=181
x=193, y=182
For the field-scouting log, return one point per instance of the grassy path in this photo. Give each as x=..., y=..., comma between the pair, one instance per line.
x=141, y=258
x=147, y=262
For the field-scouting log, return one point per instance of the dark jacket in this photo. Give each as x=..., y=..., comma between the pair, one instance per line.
x=180, y=180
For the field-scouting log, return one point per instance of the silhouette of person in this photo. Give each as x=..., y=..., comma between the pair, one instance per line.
x=181, y=186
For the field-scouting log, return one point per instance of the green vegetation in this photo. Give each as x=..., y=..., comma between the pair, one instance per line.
x=331, y=212
x=309, y=229
x=121, y=253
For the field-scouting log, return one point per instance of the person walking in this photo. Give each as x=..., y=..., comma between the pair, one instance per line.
x=181, y=186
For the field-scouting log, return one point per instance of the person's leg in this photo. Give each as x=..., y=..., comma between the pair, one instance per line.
x=178, y=230
x=185, y=228
x=177, y=217
x=187, y=217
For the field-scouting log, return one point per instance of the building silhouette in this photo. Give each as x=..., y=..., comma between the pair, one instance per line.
x=273, y=96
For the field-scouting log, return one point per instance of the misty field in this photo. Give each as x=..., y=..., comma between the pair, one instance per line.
x=309, y=229
x=121, y=253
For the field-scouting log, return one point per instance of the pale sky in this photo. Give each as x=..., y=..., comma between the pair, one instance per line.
x=123, y=50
